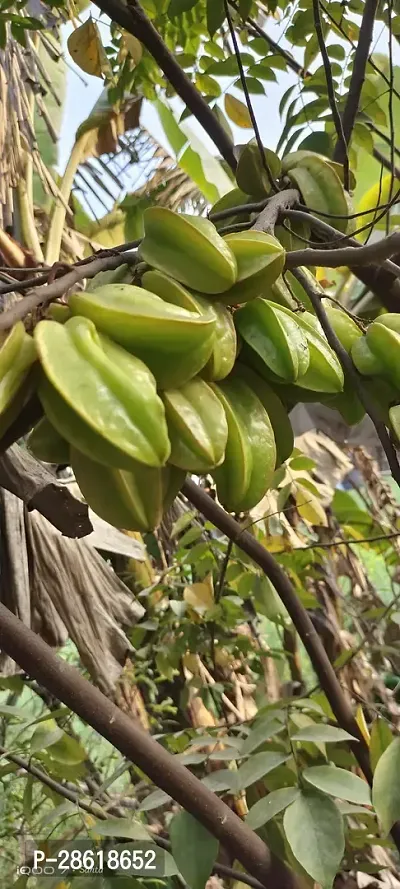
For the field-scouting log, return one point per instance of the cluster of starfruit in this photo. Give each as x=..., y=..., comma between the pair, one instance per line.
x=140, y=385
x=192, y=369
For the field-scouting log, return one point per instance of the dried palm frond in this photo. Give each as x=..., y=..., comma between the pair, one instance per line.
x=24, y=84
x=142, y=168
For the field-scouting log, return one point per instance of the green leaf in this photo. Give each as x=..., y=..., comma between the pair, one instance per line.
x=215, y=15
x=154, y=801
x=263, y=72
x=386, y=786
x=350, y=809
x=271, y=805
x=237, y=112
x=226, y=755
x=177, y=7
x=325, y=734
x=218, y=781
x=340, y=783
x=27, y=800
x=8, y=710
x=314, y=830
x=194, y=849
x=182, y=522
x=120, y=827
x=262, y=730
x=256, y=767
x=45, y=735
x=267, y=601
x=302, y=462
x=193, y=157
x=336, y=51
x=208, y=85
x=13, y=683
x=245, y=8
x=320, y=142
x=253, y=85
x=68, y=750
x=381, y=737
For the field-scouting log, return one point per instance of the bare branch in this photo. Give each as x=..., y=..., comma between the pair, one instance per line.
x=127, y=736
x=357, y=78
x=348, y=256
x=42, y=296
x=301, y=619
x=267, y=219
x=248, y=99
x=133, y=18
x=341, y=138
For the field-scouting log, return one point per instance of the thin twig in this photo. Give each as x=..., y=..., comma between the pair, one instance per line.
x=390, y=104
x=72, y=796
x=42, y=296
x=337, y=120
x=20, y=286
x=357, y=77
x=248, y=99
x=350, y=543
x=315, y=295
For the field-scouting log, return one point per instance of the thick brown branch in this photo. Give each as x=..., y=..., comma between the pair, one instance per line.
x=93, y=808
x=133, y=18
x=127, y=736
x=358, y=76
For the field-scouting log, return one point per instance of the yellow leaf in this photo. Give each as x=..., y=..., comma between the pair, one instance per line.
x=362, y=725
x=309, y=507
x=87, y=49
x=200, y=596
x=275, y=543
x=237, y=112
x=133, y=46
x=191, y=662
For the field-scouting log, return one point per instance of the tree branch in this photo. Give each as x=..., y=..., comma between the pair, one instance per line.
x=337, y=120
x=315, y=294
x=357, y=78
x=133, y=18
x=29, y=480
x=59, y=270
x=267, y=219
x=348, y=256
x=93, y=808
x=302, y=622
x=42, y=296
x=378, y=278
x=71, y=795
x=127, y=736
